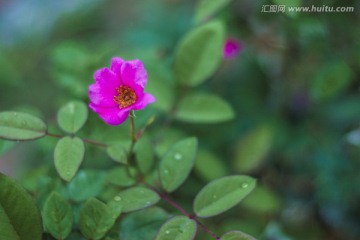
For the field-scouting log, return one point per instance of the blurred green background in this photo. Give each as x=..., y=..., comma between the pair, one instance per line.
x=294, y=88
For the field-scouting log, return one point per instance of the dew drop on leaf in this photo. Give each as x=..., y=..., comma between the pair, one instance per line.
x=167, y=232
x=177, y=156
x=117, y=198
x=244, y=185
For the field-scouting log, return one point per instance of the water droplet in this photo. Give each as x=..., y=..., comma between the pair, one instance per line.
x=148, y=203
x=141, y=191
x=167, y=232
x=15, y=114
x=68, y=173
x=177, y=156
x=214, y=196
x=166, y=171
x=117, y=198
x=244, y=185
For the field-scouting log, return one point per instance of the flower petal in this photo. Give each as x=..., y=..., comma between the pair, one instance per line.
x=106, y=78
x=146, y=99
x=102, y=96
x=133, y=74
x=116, y=64
x=112, y=116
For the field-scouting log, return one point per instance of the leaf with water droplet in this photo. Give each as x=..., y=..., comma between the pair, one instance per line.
x=136, y=198
x=68, y=155
x=96, y=218
x=177, y=163
x=179, y=227
x=229, y=190
x=21, y=126
x=72, y=116
x=57, y=216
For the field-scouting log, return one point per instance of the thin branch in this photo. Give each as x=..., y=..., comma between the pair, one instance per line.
x=99, y=144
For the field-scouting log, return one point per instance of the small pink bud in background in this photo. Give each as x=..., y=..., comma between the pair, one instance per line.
x=231, y=49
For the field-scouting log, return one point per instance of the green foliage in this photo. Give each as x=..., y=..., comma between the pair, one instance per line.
x=57, y=216
x=136, y=198
x=144, y=154
x=120, y=177
x=21, y=126
x=179, y=228
x=215, y=168
x=262, y=200
x=72, y=116
x=117, y=152
x=206, y=8
x=19, y=217
x=204, y=108
x=177, y=163
x=236, y=235
x=68, y=155
x=253, y=148
x=96, y=218
x=289, y=3
x=222, y=194
x=199, y=54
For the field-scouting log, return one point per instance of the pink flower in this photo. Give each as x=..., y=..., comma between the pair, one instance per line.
x=231, y=49
x=119, y=90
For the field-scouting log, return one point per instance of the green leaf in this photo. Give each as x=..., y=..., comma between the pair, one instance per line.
x=142, y=224
x=199, y=54
x=57, y=216
x=179, y=228
x=208, y=166
x=118, y=153
x=207, y=8
x=253, y=148
x=21, y=126
x=136, y=198
x=144, y=153
x=68, y=155
x=72, y=116
x=222, y=194
x=204, y=108
x=19, y=217
x=236, y=235
x=96, y=218
x=331, y=80
x=119, y=177
x=262, y=200
x=86, y=184
x=177, y=163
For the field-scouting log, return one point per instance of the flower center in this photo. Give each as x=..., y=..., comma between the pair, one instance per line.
x=125, y=96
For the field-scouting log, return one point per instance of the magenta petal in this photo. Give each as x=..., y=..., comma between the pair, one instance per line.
x=146, y=99
x=116, y=64
x=232, y=47
x=102, y=95
x=112, y=116
x=106, y=78
x=133, y=74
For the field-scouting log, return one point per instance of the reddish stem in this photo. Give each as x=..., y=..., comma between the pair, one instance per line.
x=100, y=144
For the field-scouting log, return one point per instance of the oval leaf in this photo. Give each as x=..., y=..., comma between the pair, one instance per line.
x=57, y=216
x=136, y=198
x=179, y=228
x=118, y=153
x=177, y=163
x=199, y=54
x=21, y=126
x=69, y=153
x=222, y=194
x=96, y=218
x=19, y=217
x=72, y=116
x=120, y=177
x=215, y=167
x=237, y=235
x=207, y=8
x=204, y=108
x=144, y=153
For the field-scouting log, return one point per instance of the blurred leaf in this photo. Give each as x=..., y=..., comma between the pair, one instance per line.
x=332, y=79
x=32, y=178
x=142, y=224
x=69, y=153
x=86, y=184
x=222, y=194
x=119, y=177
x=57, y=216
x=144, y=154
x=177, y=163
x=19, y=217
x=253, y=148
x=204, y=108
x=118, y=153
x=199, y=54
x=168, y=138
x=179, y=228
x=72, y=116
x=21, y=126
x=207, y=8
x=5, y=146
x=215, y=168
x=236, y=235
x=96, y=218
x=289, y=3
x=71, y=83
x=136, y=198
x=262, y=200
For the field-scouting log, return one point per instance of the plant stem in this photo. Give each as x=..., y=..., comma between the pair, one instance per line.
x=99, y=144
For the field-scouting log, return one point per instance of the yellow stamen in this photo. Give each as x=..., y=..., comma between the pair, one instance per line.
x=125, y=96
